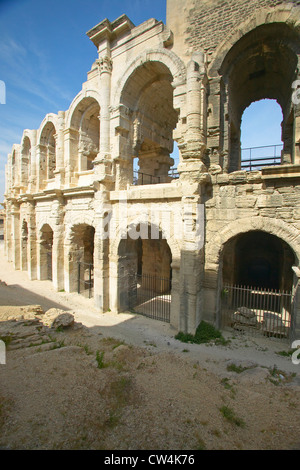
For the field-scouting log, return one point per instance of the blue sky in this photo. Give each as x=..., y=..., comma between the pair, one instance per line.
x=45, y=56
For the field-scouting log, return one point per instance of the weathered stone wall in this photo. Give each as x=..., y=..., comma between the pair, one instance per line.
x=151, y=84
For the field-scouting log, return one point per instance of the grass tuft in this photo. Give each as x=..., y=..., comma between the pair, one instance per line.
x=205, y=333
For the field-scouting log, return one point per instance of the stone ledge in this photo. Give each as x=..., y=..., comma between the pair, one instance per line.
x=280, y=171
x=148, y=191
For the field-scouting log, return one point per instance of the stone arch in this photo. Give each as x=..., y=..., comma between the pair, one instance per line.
x=49, y=118
x=276, y=227
x=83, y=122
x=168, y=58
x=289, y=15
x=79, y=257
x=77, y=219
x=45, y=255
x=83, y=94
x=26, y=161
x=47, y=148
x=145, y=98
x=259, y=61
x=121, y=234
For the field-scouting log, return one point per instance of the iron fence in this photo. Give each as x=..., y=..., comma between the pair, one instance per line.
x=148, y=295
x=257, y=311
x=85, y=279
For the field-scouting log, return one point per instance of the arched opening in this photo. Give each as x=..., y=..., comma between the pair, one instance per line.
x=261, y=65
x=145, y=273
x=148, y=95
x=24, y=246
x=25, y=161
x=81, y=259
x=257, y=284
x=47, y=164
x=261, y=135
x=260, y=260
x=85, y=120
x=46, y=252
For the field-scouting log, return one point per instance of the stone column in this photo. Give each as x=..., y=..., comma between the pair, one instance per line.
x=101, y=252
x=71, y=139
x=192, y=265
x=194, y=145
x=196, y=116
x=102, y=164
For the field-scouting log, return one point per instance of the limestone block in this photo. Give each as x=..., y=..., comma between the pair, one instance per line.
x=269, y=201
x=246, y=201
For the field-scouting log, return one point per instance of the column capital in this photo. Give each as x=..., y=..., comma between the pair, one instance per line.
x=105, y=64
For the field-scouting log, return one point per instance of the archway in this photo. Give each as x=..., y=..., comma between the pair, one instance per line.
x=261, y=65
x=148, y=94
x=46, y=252
x=81, y=259
x=145, y=273
x=257, y=282
x=25, y=161
x=85, y=119
x=47, y=163
x=261, y=135
x=258, y=259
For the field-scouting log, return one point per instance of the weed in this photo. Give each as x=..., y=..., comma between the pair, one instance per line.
x=286, y=353
x=205, y=333
x=230, y=415
x=237, y=369
x=99, y=359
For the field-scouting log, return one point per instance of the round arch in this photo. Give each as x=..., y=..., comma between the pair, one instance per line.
x=289, y=15
x=78, y=219
x=168, y=58
x=84, y=94
x=276, y=227
x=50, y=118
x=120, y=235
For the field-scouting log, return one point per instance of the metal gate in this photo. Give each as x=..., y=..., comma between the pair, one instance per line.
x=146, y=294
x=257, y=311
x=49, y=265
x=85, y=279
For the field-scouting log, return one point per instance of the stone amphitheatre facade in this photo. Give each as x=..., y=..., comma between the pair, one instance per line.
x=93, y=189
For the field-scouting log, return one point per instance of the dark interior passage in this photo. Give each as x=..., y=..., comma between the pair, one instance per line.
x=258, y=259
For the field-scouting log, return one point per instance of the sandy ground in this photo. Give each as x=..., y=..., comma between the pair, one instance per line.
x=124, y=382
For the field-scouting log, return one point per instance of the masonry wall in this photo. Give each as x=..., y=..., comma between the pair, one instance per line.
x=184, y=73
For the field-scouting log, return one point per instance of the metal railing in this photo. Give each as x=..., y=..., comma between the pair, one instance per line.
x=257, y=310
x=150, y=295
x=140, y=178
x=85, y=279
x=257, y=157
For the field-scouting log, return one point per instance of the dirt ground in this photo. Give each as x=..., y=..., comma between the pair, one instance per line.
x=124, y=382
